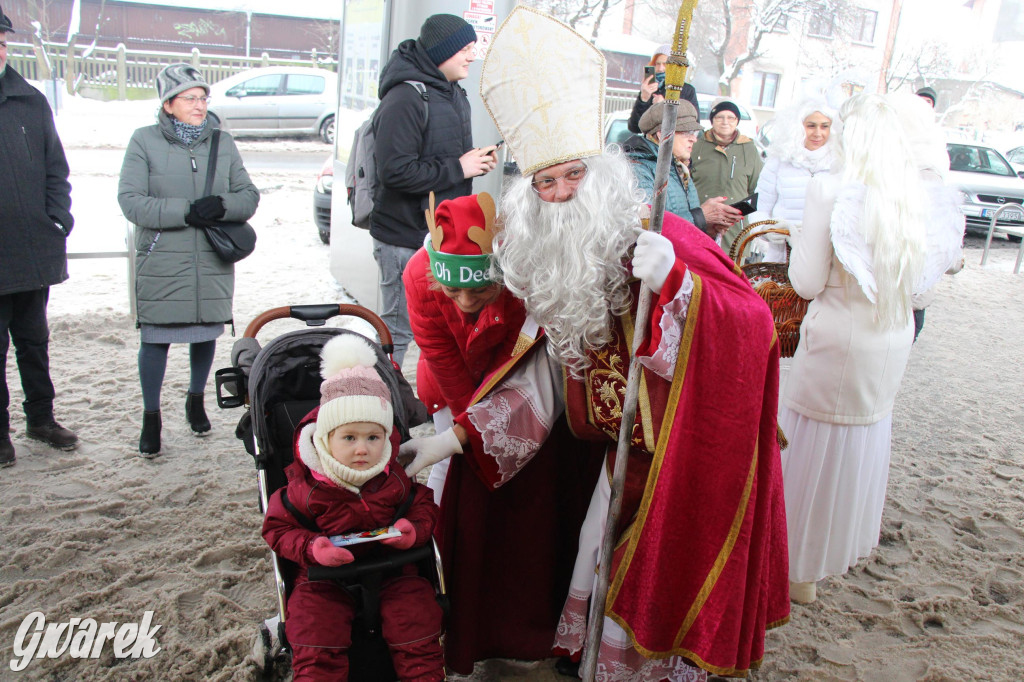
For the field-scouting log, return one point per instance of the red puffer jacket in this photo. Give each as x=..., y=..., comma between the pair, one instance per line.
x=457, y=352
x=337, y=510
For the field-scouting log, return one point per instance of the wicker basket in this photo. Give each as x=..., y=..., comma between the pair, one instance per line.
x=771, y=282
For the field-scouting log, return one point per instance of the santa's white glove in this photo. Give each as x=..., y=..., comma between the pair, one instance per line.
x=653, y=259
x=429, y=450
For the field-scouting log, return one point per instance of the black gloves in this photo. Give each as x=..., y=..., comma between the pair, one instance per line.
x=205, y=212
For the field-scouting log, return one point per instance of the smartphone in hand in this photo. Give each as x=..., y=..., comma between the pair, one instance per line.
x=648, y=72
x=747, y=205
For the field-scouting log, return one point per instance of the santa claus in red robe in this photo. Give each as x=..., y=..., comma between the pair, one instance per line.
x=700, y=568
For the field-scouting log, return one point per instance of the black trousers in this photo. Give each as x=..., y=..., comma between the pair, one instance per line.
x=23, y=321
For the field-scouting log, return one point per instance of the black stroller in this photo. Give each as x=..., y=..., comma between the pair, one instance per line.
x=279, y=385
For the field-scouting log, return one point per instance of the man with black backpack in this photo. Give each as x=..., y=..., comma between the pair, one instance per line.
x=423, y=143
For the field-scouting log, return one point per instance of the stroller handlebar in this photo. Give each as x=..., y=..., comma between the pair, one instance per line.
x=317, y=315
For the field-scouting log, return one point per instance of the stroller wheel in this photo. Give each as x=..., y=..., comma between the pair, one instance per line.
x=266, y=646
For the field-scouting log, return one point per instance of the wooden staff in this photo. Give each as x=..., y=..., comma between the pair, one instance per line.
x=675, y=76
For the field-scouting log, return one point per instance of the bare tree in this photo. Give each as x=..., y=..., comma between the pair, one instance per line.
x=921, y=61
x=577, y=13
x=727, y=34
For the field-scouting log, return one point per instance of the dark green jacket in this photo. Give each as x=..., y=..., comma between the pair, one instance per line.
x=730, y=171
x=178, y=277
x=35, y=193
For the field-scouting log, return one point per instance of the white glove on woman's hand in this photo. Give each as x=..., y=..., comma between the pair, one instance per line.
x=776, y=238
x=653, y=259
x=429, y=450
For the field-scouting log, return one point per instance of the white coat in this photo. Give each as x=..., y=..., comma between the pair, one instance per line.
x=782, y=187
x=782, y=190
x=847, y=367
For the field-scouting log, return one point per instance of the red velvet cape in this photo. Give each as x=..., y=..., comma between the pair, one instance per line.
x=702, y=571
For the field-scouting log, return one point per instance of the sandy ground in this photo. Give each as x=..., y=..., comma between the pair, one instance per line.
x=104, y=534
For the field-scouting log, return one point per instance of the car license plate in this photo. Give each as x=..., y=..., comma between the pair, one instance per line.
x=1010, y=214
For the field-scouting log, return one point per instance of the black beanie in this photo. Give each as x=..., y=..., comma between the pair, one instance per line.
x=724, y=105
x=5, y=23
x=443, y=35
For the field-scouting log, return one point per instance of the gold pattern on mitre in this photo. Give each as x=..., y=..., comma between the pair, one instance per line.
x=547, y=114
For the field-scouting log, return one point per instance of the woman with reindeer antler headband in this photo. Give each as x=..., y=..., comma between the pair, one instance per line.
x=472, y=331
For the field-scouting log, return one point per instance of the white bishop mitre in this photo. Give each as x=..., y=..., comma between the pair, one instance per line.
x=543, y=84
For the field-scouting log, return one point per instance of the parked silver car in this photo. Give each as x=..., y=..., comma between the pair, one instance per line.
x=986, y=182
x=1016, y=158
x=276, y=101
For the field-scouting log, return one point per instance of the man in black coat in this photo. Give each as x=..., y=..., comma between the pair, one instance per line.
x=35, y=219
x=419, y=152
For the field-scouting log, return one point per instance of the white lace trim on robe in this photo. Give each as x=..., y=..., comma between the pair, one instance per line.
x=617, y=659
x=673, y=321
x=515, y=418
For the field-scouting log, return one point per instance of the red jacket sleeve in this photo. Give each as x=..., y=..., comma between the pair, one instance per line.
x=284, y=534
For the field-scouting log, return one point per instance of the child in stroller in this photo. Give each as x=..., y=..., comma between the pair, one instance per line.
x=344, y=478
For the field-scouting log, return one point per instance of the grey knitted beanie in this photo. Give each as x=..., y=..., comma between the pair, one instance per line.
x=176, y=79
x=442, y=35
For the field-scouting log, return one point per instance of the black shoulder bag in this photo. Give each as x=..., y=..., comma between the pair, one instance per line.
x=231, y=241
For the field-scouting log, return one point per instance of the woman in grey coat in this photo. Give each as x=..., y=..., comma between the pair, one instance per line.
x=183, y=289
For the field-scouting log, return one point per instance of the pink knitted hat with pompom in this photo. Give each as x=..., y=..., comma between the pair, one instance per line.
x=352, y=390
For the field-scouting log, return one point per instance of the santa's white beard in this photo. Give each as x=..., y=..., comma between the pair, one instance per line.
x=565, y=260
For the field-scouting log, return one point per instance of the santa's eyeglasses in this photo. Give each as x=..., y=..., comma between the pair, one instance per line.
x=571, y=177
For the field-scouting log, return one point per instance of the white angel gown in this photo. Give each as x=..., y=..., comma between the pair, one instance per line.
x=835, y=474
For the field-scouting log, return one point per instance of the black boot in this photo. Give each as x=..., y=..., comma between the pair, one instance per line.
x=196, y=413
x=149, y=441
x=6, y=452
x=53, y=434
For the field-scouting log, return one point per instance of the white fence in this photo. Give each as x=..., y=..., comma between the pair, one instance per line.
x=79, y=65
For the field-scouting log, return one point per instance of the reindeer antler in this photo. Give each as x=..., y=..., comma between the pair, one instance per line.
x=484, y=237
x=436, y=232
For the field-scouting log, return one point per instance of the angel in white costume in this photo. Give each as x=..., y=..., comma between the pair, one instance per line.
x=874, y=233
x=805, y=144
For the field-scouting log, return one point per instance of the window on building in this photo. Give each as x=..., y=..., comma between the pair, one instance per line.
x=766, y=86
x=781, y=24
x=821, y=22
x=864, y=26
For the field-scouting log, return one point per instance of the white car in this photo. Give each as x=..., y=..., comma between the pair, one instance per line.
x=1016, y=158
x=277, y=101
x=986, y=182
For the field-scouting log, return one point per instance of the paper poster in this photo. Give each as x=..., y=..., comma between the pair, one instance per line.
x=483, y=42
x=481, y=23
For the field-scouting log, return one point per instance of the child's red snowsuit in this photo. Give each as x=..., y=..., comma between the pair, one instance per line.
x=320, y=613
